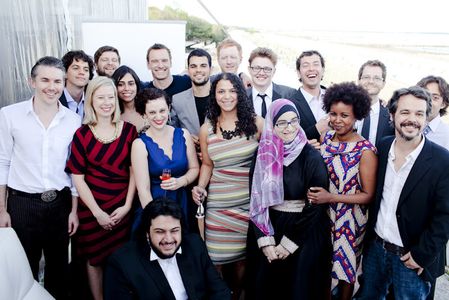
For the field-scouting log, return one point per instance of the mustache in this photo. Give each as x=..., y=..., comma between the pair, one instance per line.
x=410, y=123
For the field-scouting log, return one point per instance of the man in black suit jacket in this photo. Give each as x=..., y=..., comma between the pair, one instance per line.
x=162, y=263
x=372, y=75
x=409, y=219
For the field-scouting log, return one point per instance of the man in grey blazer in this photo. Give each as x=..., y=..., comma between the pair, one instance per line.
x=190, y=106
x=262, y=67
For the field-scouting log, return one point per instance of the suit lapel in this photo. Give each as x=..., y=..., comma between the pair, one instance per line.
x=186, y=270
x=419, y=169
x=157, y=275
x=276, y=94
x=383, y=161
x=304, y=107
x=63, y=100
x=384, y=119
x=191, y=113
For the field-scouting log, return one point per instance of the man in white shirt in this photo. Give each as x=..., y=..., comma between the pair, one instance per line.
x=262, y=67
x=437, y=130
x=162, y=262
x=35, y=192
x=409, y=219
x=79, y=70
x=372, y=76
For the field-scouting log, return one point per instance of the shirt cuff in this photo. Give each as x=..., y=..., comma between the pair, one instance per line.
x=266, y=241
x=288, y=244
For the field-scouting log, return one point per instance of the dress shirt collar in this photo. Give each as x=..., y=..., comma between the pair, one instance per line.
x=435, y=123
x=412, y=156
x=375, y=109
x=30, y=109
x=268, y=92
x=309, y=97
x=154, y=256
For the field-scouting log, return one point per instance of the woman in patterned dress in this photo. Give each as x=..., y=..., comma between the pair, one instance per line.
x=228, y=142
x=100, y=162
x=352, y=165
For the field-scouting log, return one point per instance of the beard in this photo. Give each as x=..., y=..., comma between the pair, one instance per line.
x=404, y=124
x=200, y=83
x=162, y=255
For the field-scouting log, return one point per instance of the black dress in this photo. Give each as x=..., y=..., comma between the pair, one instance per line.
x=305, y=274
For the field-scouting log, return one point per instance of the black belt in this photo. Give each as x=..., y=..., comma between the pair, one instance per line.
x=47, y=196
x=392, y=248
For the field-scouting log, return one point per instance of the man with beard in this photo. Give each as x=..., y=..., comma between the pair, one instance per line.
x=159, y=62
x=162, y=263
x=190, y=106
x=372, y=75
x=107, y=60
x=409, y=218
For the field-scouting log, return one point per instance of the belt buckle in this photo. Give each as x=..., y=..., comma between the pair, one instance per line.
x=49, y=196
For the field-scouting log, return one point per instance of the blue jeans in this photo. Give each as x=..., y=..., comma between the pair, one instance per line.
x=382, y=269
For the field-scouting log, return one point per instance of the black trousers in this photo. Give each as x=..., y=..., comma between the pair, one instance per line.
x=43, y=227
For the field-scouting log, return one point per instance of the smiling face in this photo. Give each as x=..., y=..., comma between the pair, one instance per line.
x=78, y=73
x=156, y=112
x=437, y=100
x=229, y=59
x=159, y=63
x=199, y=70
x=372, y=80
x=311, y=71
x=226, y=95
x=165, y=235
x=410, y=118
x=48, y=84
x=127, y=88
x=341, y=118
x=287, y=126
x=107, y=63
x=262, y=71
x=104, y=101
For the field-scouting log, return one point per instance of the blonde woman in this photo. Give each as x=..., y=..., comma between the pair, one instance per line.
x=100, y=166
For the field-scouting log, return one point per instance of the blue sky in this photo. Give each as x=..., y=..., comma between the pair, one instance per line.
x=345, y=15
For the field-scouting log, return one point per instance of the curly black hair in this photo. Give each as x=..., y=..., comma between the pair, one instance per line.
x=246, y=123
x=148, y=94
x=350, y=94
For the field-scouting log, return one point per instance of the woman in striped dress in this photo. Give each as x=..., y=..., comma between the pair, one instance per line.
x=100, y=166
x=228, y=142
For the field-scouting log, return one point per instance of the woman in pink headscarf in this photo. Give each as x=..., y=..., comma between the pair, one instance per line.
x=288, y=235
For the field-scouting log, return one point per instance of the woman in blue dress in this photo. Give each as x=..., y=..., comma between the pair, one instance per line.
x=161, y=147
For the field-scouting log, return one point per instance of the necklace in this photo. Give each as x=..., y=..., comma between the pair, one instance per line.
x=229, y=134
x=103, y=140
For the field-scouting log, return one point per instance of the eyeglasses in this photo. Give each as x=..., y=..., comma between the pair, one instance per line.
x=284, y=124
x=369, y=78
x=266, y=70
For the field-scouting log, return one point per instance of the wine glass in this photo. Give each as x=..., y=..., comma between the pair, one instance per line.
x=166, y=175
x=200, y=210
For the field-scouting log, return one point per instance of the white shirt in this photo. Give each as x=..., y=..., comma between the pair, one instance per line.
x=76, y=107
x=257, y=101
x=33, y=158
x=315, y=103
x=171, y=271
x=439, y=132
x=387, y=224
x=374, y=122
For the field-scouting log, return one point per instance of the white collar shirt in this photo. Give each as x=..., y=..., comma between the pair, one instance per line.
x=387, y=225
x=76, y=107
x=171, y=271
x=257, y=100
x=439, y=132
x=374, y=122
x=32, y=157
x=315, y=103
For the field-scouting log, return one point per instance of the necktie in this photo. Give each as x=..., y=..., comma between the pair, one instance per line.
x=264, y=105
x=365, y=128
x=427, y=130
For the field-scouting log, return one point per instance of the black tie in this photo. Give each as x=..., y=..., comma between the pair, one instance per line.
x=365, y=128
x=264, y=105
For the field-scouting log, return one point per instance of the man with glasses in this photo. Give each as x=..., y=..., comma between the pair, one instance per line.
x=372, y=75
x=262, y=66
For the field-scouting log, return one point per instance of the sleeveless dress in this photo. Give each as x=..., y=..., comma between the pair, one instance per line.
x=348, y=220
x=227, y=212
x=178, y=164
x=105, y=167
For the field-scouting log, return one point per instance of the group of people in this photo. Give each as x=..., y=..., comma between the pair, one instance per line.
x=298, y=184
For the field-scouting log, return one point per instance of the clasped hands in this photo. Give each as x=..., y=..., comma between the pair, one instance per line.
x=275, y=252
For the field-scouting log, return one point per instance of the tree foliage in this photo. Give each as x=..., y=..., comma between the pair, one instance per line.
x=197, y=29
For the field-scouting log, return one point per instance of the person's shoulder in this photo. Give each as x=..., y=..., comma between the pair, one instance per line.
x=182, y=95
x=129, y=249
x=182, y=78
x=439, y=151
x=192, y=240
x=16, y=107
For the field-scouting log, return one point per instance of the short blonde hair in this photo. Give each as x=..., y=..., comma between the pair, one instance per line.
x=228, y=42
x=90, y=117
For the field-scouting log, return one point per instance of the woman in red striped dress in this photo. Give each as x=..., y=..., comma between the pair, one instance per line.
x=100, y=166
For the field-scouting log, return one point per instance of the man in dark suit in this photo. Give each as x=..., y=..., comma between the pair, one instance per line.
x=372, y=76
x=262, y=67
x=162, y=263
x=409, y=219
x=310, y=68
x=79, y=70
